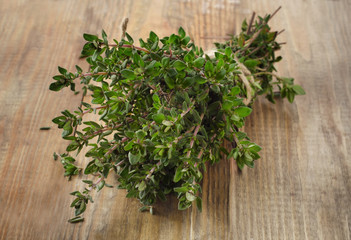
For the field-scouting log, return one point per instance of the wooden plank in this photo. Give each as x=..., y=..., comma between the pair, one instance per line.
x=300, y=189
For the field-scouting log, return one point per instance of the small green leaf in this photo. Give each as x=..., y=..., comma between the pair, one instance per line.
x=76, y=219
x=56, y=86
x=133, y=158
x=165, y=61
x=243, y=111
x=167, y=123
x=209, y=67
x=181, y=189
x=181, y=32
x=190, y=197
x=178, y=175
x=251, y=63
x=228, y=51
x=170, y=82
x=157, y=101
x=62, y=70
x=298, y=90
x=199, y=203
x=129, y=146
x=254, y=148
x=128, y=74
x=89, y=37
x=290, y=95
x=187, y=82
x=227, y=105
x=199, y=62
x=159, y=117
x=81, y=208
x=142, y=186
x=140, y=134
x=200, y=80
x=179, y=65
x=235, y=91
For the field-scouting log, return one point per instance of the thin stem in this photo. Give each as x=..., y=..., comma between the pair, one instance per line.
x=115, y=146
x=98, y=73
x=92, y=109
x=195, y=133
x=274, y=13
x=245, y=80
x=135, y=47
x=120, y=163
x=106, y=128
x=251, y=22
x=96, y=183
x=152, y=170
x=268, y=73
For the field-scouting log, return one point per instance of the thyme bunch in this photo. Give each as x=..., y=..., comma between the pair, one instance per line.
x=164, y=109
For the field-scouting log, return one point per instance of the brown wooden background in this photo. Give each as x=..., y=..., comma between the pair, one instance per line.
x=300, y=189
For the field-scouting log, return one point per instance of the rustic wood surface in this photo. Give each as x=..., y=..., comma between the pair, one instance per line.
x=300, y=189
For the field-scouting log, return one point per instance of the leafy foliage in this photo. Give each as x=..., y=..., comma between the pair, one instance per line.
x=164, y=110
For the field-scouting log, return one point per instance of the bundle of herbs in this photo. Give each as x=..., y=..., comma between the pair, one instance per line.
x=163, y=110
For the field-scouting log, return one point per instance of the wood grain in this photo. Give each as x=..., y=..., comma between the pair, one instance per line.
x=300, y=189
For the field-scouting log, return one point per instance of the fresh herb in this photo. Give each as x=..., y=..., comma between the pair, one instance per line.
x=164, y=110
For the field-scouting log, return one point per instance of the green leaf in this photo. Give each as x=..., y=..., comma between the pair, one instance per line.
x=73, y=146
x=200, y=80
x=62, y=70
x=133, y=158
x=157, y=101
x=251, y=63
x=140, y=134
x=89, y=37
x=179, y=65
x=228, y=51
x=158, y=117
x=129, y=146
x=186, y=40
x=199, y=203
x=227, y=105
x=76, y=219
x=290, y=95
x=165, y=61
x=81, y=208
x=254, y=148
x=181, y=189
x=56, y=86
x=170, y=82
x=142, y=186
x=298, y=90
x=209, y=67
x=188, y=81
x=199, y=62
x=190, y=197
x=181, y=32
x=129, y=38
x=243, y=111
x=128, y=74
x=235, y=91
x=167, y=123
x=288, y=81
x=178, y=175
x=182, y=205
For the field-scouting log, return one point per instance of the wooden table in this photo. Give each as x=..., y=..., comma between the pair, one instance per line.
x=300, y=189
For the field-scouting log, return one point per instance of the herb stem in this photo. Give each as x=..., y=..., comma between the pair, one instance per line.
x=92, y=109
x=135, y=47
x=268, y=73
x=98, y=73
